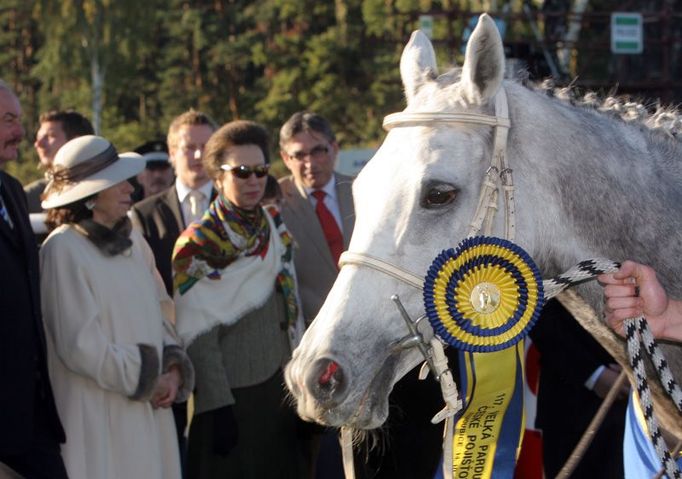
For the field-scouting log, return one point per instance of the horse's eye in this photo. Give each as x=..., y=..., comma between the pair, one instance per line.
x=437, y=196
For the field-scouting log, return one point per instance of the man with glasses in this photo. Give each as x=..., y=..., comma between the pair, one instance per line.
x=163, y=216
x=317, y=207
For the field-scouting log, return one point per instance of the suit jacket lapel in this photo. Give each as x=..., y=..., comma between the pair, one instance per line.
x=23, y=226
x=9, y=234
x=23, y=238
x=174, y=204
x=14, y=235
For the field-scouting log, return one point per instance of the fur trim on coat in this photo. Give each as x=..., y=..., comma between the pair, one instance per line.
x=149, y=373
x=110, y=241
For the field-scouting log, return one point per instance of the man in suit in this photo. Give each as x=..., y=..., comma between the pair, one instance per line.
x=317, y=208
x=308, y=148
x=30, y=430
x=162, y=217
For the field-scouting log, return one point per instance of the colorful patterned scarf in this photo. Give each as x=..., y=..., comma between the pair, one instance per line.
x=224, y=234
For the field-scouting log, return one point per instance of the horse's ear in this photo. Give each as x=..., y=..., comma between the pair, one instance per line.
x=483, y=68
x=417, y=64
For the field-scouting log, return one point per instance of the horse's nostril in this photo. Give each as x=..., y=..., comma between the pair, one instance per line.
x=328, y=374
x=326, y=382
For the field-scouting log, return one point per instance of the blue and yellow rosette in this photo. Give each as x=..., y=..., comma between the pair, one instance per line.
x=483, y=296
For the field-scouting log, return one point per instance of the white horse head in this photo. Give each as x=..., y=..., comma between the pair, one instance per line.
x=586, y=185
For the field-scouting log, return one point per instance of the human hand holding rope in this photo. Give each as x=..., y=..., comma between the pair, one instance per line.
x=633, y=291
x=638, y=307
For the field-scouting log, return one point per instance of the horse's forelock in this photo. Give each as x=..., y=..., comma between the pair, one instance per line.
x=445, y=93
x=450, y=77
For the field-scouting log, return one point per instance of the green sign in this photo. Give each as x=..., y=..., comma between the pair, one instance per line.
x=426, y=25
x=626, y=33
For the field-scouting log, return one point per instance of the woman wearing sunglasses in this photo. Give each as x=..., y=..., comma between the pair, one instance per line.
x=237, y=311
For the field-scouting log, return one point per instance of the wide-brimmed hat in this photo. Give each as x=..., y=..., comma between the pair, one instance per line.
x=87, y=165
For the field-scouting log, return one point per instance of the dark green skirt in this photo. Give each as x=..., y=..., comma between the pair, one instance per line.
x=267, y=447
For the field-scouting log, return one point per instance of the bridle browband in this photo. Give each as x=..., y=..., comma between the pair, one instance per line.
x=420, y=118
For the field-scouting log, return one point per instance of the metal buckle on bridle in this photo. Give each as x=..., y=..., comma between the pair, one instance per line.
x=506, y=175
x=492, y=168
x=434, y=355
x=415, y=338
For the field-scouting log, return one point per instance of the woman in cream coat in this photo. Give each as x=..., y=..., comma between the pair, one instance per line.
x=114, y=363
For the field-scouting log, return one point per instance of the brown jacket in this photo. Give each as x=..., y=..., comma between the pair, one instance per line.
x=315, y=268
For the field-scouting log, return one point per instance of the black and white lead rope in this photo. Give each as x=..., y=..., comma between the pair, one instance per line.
x=637, y=333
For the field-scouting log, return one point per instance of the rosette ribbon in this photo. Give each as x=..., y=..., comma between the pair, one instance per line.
x=483, y=298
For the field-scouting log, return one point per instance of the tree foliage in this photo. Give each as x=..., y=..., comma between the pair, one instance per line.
x=133, y=66
x=252, y=59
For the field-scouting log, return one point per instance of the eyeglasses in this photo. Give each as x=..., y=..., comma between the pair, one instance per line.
x=243, y=172
x=317, y=153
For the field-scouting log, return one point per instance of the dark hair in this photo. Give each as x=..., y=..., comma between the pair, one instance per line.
x=73, y=123
x=273, y=192
x=305, y=121
x=234, y=133
x=190, y=118
x=68, y=214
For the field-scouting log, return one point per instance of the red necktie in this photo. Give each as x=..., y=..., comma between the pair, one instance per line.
x=331, y=230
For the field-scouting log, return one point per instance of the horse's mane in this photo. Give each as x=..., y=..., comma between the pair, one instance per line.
x=661, y=120
x=654, y=116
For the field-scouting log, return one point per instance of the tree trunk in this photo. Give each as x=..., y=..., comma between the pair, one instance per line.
x=97, y=76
